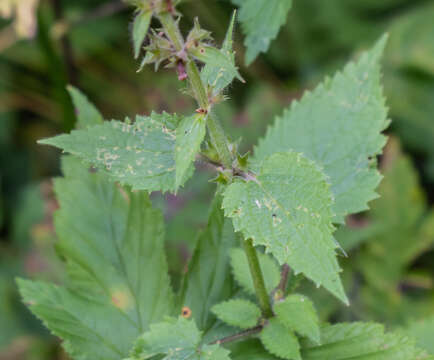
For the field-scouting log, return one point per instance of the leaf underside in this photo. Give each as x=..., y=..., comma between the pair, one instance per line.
x=338, y=126
x=287, y=209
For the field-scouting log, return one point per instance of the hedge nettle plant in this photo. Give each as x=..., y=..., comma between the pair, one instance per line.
x=272, y=218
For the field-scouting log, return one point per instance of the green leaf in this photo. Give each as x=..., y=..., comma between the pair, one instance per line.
x=141, y=154
x=280, y=341
x=298, y=313
x=238, y=312
x=422, y=332
x=361, y=341
x=87, y=114
x=250, y=349
x=287, y=209
x=209, y=280
x=178, y=340
x=189, y=136
x=220, y=68
x=241, y=271
x=113, y=244
x=338, y=126
x=261, y=21
x=405, y=224
x=140, y=29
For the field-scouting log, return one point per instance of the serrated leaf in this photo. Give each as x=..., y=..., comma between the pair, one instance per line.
x=87, y=114
x=261, y=21
x=141, y=154
x=189, y=136
x=241, y=271
x=280, y=341
x=210, y=266
x=288, y=209
x=238, y=312
x=362, y=341
x=177, y=340
x=220, y=69
x=140, y=29
x=103, y=226
x=298, y=313
x=339, y=127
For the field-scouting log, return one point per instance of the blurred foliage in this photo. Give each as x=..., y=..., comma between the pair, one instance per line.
x=389, y=271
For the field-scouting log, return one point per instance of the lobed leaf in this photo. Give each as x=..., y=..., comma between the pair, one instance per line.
x=87, y=114
x=103, y=226
x=261, y=21
x=141, y=154
x=241, y=271
x=339, y=127
x=287, y=209
x=238, y=312
x=362, y=341
x=280, y=341
x=298, y=313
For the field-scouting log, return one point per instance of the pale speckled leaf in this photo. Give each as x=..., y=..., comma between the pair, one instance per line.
x=102, y=226
x=238, y=312
x=361, y=341
x=280, y=341
x=87, y=114
x=139, y=154
x=298, y=313
x=140, y=29
x=261, y=21
x=339, y=127
x=189, y=136
x=177, y=339
x=288, y=209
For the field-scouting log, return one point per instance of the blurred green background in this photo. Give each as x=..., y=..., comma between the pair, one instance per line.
x=51, y=43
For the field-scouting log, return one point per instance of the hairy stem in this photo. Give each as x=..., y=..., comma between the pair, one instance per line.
x=219, y=140
x=197, y=85
x=258, y=278
x=217, y=135
x=238, y=336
